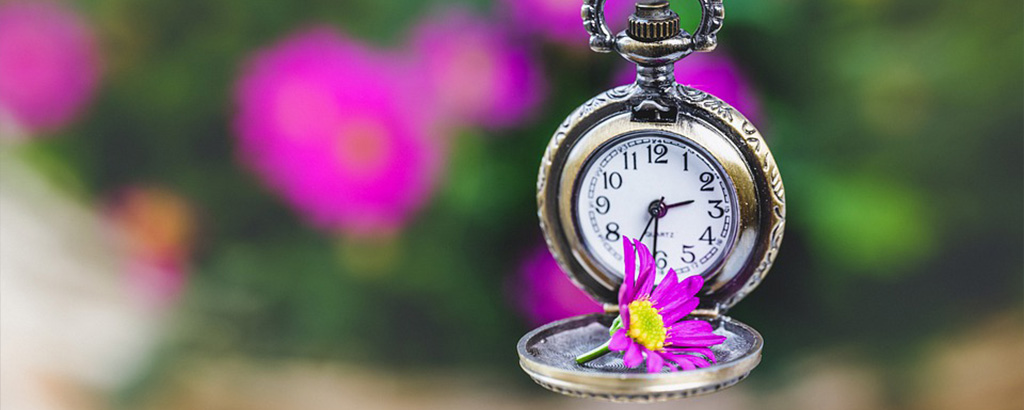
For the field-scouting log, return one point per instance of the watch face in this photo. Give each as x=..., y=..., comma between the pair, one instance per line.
x=662, y=189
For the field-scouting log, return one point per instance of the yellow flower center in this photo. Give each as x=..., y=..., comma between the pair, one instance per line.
x=646, y=325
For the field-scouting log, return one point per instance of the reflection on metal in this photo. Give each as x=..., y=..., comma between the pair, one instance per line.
x=547, y=353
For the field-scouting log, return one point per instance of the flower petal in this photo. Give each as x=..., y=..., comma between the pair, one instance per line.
x=629, y=255
x=682, y=362
x=628, y=288
x=666, y=287
x=620, y=341
x=697, y=361
x=673, y=314
x=645, y=278
x=672, y=304
x=690, y=327
x=654, y=361
x=690, y=286
x=692, y=333
x=695, y=340
x=633, y=357
x=710, y=355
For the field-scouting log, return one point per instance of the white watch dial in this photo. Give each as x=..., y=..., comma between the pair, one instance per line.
x=693, y=201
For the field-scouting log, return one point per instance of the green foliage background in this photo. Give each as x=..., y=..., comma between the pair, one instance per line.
x=897, y=127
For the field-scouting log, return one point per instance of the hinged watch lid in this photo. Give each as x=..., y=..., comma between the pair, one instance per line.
x=547, y=354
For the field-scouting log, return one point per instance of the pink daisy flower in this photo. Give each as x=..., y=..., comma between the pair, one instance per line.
x=331, y=128
x=545, y=294
x=714, y=73
x=49, y=64
x=650, y=324
x=560, y=20
x=475, y=72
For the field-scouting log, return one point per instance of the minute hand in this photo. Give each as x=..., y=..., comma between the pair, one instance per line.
x=678, y=204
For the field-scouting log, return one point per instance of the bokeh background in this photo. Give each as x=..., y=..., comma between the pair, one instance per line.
x=330, y=204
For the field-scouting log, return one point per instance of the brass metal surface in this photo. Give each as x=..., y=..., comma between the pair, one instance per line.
x=546, y=354
x=654, y=104
x=705, y=121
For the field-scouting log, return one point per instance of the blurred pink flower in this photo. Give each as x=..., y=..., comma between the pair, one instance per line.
x=159, y=230
x=560, y=20
x=714, y=73
x=545, y=294
x=474, y=71
x=49, y=64
x=330, y=127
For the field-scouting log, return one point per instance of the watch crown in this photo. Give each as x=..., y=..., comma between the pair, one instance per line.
x=653, y=21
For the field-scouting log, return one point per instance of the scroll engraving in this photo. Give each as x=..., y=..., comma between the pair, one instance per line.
x=712, y=16
x=766, y=164
x=582, y=112
x=601, y=39
x=749, y=128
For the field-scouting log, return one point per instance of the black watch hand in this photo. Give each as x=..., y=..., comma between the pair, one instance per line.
x=651, y=219
x=654, y=250
x=678, y=204
x=655, y=210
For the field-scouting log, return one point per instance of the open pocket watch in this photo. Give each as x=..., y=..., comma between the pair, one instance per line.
x=655, y=150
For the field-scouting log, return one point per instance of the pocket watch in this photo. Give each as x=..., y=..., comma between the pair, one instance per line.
x=655, y=151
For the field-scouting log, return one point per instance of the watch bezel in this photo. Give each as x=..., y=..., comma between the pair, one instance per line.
x=734, y=143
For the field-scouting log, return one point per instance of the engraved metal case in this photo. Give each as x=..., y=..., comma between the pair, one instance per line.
x=655, y=103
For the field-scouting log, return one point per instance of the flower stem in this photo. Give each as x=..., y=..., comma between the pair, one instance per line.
x=593, y=354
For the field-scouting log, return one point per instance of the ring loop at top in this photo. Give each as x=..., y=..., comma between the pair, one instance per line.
x=603, y=41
